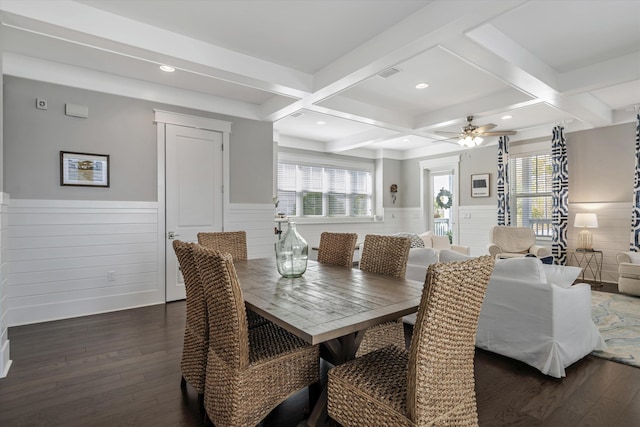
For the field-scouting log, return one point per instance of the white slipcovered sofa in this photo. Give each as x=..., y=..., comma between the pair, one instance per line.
x=531, y=312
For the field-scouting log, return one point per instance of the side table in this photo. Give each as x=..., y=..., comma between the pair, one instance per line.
x=589, y=260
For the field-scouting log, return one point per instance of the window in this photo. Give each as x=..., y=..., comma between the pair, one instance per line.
x=530, y=192
x=323, y=191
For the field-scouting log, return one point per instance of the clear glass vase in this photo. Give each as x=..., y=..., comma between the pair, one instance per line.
x=291, y=253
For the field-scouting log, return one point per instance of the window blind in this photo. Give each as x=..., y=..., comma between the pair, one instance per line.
x=531, y=197
x=323, y=191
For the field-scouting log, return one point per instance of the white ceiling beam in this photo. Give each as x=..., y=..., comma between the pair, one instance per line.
x=86, y=25
x=617, y=71
x=364, y=112
x=435, y=23
x=67, y=75
x=422, y=30
x=359, y=140
x=513, y=64
x=485, y=105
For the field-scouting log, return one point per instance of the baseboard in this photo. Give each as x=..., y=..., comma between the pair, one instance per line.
x=69, y=309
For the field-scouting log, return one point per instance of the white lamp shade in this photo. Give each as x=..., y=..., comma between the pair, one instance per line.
x=588, y=220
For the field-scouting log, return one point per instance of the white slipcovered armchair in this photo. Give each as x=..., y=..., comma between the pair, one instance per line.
x=442, y=242
x=532, y=313
x=511, y=242
x=629, y=272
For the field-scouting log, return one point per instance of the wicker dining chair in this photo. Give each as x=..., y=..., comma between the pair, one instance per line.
x=235, y=243
x=337, y=248
x=384, y=255
x=196, y=329
x=249, y=371
x=432, y=383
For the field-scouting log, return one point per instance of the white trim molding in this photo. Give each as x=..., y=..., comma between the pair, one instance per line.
x=5, y=357
x=162, y=118
x=441, y=164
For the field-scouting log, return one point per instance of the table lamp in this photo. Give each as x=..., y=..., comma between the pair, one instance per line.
x=585, y=238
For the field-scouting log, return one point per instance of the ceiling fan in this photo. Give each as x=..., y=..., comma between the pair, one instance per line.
x=471, y=134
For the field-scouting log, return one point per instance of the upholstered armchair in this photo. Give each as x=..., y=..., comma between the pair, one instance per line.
x=442, y=242
x=629, y=272
x=510, y=242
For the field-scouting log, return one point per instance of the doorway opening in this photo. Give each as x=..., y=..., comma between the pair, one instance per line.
x=442, y=199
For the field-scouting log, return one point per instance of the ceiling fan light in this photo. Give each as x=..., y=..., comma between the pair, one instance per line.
x=477, y=140
x=461, y=142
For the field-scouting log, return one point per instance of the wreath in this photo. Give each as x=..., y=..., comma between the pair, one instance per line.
x=444, y=199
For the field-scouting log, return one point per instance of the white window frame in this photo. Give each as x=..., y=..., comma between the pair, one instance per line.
x=525, y=151
x=307, y=160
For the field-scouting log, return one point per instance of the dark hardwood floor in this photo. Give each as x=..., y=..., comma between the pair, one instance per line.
x=123, y=368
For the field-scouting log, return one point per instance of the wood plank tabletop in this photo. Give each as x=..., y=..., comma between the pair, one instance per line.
x=327, y=302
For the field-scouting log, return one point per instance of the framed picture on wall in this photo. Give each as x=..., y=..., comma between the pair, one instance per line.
x=480, y=185
x=84, y=169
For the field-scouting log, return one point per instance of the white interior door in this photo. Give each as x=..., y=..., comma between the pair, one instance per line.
x=194, y=201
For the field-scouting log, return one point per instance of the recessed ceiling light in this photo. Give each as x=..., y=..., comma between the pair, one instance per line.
x=320, y=122
x=405, y=140
x=422, y=85
x=167, y=68
x=507, y=117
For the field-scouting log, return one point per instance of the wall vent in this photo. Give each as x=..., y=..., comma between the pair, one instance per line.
x=388, y=72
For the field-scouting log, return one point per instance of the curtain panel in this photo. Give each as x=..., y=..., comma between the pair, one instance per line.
x=634, y=244
x=502, y=182
x=560, y=195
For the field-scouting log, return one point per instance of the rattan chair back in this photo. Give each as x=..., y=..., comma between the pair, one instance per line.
x=233, y=242
x=440, y=379
x=385, y=255
x=249, y=372
x=228, y=334
x=196, y=331
x=433, y=383
x=337, y=248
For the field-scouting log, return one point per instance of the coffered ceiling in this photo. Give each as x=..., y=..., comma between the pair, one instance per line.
x=300, y=62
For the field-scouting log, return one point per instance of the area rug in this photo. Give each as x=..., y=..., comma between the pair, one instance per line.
x=618, y=319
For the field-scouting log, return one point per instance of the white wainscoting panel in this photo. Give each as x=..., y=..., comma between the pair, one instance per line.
x=5, y=360
x=257, y=220
x=474, y=223
x=73, y=258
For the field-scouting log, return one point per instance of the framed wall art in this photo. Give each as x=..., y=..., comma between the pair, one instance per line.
x=480, y=185
x=84, y=169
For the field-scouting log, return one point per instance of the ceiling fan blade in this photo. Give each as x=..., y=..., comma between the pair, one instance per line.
x=485, y=128
x=506, y=132
x=440, y=132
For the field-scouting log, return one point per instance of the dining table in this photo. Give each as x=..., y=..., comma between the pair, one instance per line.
x=328, y=305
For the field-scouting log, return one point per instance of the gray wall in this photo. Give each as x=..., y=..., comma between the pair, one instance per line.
x=478, y=161
x=601, y=168
x=602, y=164
x=392, y=173
x=121, y=127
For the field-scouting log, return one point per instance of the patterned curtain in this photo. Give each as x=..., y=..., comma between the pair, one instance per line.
x=635, y=213
x=504, y=214
x=560, y=195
